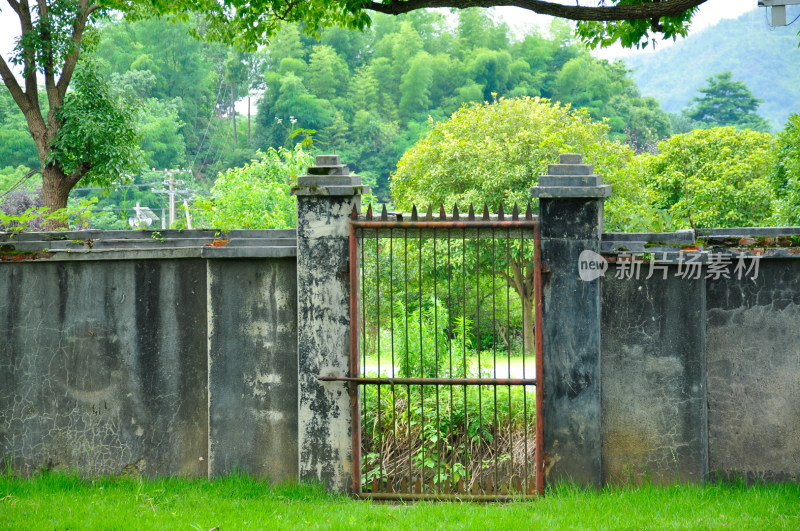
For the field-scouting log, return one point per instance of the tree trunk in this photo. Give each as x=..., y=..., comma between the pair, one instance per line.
x=527, y=324
x=523, y=286
x=56, y=186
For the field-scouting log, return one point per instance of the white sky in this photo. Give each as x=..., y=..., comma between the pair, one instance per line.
x=710, y=13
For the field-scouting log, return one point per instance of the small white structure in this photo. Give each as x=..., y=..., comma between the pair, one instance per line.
x=142, y=218
x=778, y=8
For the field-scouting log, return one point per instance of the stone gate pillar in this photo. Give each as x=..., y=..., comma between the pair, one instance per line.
x=571, y=215
x=325, y=200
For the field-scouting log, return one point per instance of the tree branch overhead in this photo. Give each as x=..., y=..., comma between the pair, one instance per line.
x=646, y=10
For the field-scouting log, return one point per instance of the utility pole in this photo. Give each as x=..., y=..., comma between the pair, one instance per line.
x=170, y=182
x=248, y=120
x=233, y=113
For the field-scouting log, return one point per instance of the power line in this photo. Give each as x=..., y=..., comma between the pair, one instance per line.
x=18, y=183
x=208, y=123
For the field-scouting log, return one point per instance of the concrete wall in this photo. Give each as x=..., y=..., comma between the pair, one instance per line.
x=753, y=351
x=701, y=376
x=191, y=352
x=252, y=364
x=653, y=360
x=118, y=357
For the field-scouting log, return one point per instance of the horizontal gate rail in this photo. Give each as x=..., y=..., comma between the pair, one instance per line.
x=416, y=457
x=429, y=381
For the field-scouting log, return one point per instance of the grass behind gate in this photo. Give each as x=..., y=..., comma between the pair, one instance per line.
x=59, y=501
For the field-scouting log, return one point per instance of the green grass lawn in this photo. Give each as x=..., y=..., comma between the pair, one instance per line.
x=57, y=501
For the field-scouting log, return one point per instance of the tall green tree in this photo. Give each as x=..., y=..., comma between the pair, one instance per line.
x=492, y=153
x=185, y=71
x=717, y=177
x=724, y=102
x=70, y=131
x=606, y=91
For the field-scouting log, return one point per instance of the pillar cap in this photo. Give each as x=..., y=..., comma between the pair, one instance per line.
x=329, y=177
x=572, y=179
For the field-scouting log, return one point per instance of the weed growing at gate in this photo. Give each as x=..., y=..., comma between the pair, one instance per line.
x=443, y=436
x=450, y=436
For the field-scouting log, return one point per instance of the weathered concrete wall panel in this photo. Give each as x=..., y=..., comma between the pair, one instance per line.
x=253, y=367
x=754, y=373
x=102, y=366
x=653, y=380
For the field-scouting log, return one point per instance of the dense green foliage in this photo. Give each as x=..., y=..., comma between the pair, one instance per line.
x=54, y=35
x=447, y=434
x=16, y=145
x=257, y=195
x=494, y=152
x=369, y=95
x=726, y=102
x=634, y=33
x=181, y=84
x=237, y=502
x=97, y=136
x=787, y=175
x=718, y=177
x=629, y=22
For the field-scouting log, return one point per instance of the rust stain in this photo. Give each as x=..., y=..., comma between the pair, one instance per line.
x=24, y=256
x=218, y=243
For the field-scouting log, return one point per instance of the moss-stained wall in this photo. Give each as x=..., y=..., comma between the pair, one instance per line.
x=119, y=358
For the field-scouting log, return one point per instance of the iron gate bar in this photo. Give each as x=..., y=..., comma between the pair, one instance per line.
x=537, y=330
x=523, y=227
x=355, y=409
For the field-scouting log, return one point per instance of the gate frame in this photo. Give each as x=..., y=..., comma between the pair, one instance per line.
x=354, y=380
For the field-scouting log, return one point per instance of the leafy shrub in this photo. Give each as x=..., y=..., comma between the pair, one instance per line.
x=257, y=195
x=716, y=177
x=786, y=174
x=423, y=346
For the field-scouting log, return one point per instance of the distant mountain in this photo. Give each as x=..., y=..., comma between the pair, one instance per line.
x=766, y=59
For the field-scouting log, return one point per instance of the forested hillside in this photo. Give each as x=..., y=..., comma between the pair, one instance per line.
x=369, y=95
x=765, y=58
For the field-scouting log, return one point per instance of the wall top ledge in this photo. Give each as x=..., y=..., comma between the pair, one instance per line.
x=570, y=192
x=326, y=190
x=137, y=245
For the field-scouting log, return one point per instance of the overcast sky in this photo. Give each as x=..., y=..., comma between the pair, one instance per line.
x=710, y=13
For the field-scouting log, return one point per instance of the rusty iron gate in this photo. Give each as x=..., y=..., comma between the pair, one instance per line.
x=440, y=369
